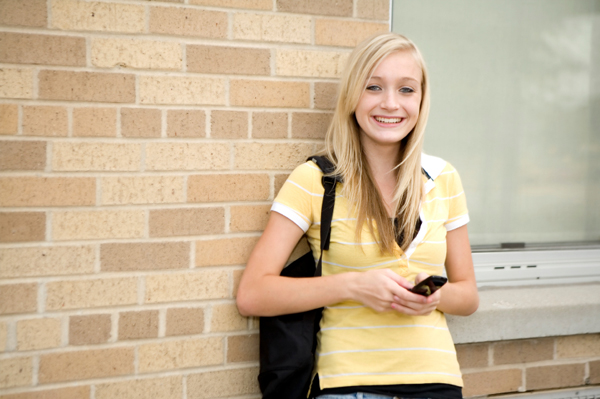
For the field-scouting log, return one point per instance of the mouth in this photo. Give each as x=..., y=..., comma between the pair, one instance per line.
x=390, y=121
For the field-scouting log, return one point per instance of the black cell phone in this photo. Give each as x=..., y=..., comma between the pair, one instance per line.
x=430, y=285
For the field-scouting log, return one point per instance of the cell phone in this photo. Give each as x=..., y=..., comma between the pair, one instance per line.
x=430, y=285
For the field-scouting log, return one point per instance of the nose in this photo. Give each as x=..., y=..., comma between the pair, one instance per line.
x=390, y=100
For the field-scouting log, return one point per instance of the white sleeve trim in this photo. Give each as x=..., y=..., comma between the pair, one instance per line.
x=291, y=214
x=455, y=224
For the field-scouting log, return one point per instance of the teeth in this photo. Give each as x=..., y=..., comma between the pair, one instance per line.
x=388, y=120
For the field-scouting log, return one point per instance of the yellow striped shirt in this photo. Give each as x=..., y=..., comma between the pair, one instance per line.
x=356, y=345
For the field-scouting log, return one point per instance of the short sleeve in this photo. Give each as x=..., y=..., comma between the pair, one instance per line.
x=295, y=198
x=458, y=214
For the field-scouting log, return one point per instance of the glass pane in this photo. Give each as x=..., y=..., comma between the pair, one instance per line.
x=516, y=109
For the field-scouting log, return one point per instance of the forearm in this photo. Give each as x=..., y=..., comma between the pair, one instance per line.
x=459, y=298
x=272, y=295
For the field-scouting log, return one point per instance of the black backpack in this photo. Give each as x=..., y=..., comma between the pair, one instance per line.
x=288, y=342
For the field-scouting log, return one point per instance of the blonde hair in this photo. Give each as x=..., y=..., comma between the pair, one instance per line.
x=343, y=147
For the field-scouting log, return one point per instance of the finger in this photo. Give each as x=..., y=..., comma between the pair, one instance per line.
x=420, y=277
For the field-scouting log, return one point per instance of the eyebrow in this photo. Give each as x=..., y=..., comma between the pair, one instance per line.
x=402, y=78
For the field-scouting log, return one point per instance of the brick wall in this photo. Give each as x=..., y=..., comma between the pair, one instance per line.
x=141, y=143
x=530, y=364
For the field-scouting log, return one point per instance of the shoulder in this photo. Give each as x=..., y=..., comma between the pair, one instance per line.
x=305, y=179
x=437, y=167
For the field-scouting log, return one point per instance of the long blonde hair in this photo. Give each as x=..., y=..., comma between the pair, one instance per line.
x=343, y=147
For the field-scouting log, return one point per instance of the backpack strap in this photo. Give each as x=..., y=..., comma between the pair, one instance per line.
x=329, y=182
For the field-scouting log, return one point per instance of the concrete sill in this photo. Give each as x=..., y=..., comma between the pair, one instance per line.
x=530, y=312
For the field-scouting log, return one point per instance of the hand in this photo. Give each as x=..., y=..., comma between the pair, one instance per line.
x=414, y=304
x=377, y=289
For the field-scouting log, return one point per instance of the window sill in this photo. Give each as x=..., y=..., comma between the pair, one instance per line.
x=529, y=312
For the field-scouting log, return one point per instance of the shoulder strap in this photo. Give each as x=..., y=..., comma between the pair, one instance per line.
x=329, y=182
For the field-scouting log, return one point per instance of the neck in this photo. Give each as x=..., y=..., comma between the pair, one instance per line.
x=382, y=161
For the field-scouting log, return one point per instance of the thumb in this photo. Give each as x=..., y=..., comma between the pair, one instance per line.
x=401, y=281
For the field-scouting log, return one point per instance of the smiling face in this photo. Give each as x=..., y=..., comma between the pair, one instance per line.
x=388, y=108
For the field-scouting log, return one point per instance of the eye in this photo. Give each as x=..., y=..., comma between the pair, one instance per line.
x=373, y=88
x=406, y=89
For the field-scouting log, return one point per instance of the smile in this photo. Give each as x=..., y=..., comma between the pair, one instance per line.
x=381, y=119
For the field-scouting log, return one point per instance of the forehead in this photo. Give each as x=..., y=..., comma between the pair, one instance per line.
x=398, y=65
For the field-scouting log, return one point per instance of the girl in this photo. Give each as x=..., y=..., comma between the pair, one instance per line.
x=399, y=217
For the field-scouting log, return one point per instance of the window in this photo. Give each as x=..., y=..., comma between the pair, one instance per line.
x=516, y=109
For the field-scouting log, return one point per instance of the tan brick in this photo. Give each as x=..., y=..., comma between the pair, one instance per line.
x=272, y=28
x=184, y=90
x=16, y=83
x=186, y=222
x=136, y=325
x=242, y=348
x=89, y=329
x=223, y=383
x=269, y=125
x=20, y=48
x=587, y=345
x=38, y=334
x=144, y=256
x=95, y=122
x=22, y=155
x=248, y=4
x=82, y=365
x=341, y=8
x=322, y=64
x=90, y=225
x=196, y=285
x=23, y=13
x=186, y=123
x=263, y=93
x=9, y=118
x=138, y=54
x=46, y=261
x=237, y=277
x=187, y=156
x=178, y=354
x=229, y=124
x=310, y=125
x=249, y=217
x=142, y=190
x=472, y=355
x=87, y=86
x=228, y=60
x=18, y=298
x=268, y=156
x=185, y=321
x=226, y=317
x=325, y=95
x=280, y=178
x=523, y=351
x=75, y=294
x=228, y=187
x=81, y=392
x=188, y=22
x=87, y=156
x=47, y=191
x=373, y=9
x=557, y=376
x=3, y=336
x=491, y=382
x=15, y=372
x=226, y=251
x=332, y=32
x=141, y=122
x=45, y=121
x=96, y=16
x=151, y=388
x=594, y=372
